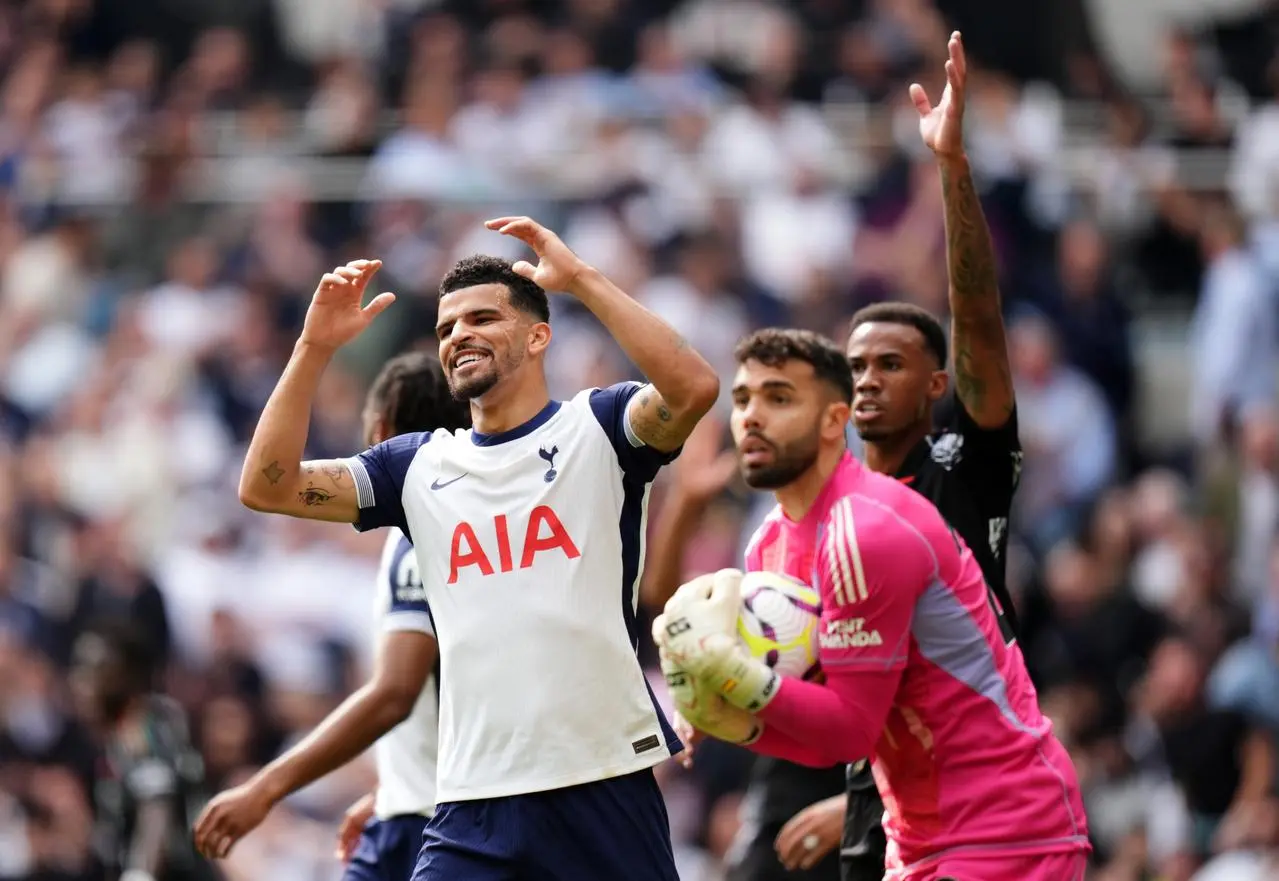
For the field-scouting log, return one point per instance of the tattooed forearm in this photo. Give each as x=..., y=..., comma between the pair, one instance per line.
x=983, y=379
x=970, y=255
x=273, y=473
x=313, y=495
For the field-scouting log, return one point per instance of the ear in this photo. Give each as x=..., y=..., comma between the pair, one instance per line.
x=539, y=337
x=834, y=420
x=379, y=432
x=938, y=383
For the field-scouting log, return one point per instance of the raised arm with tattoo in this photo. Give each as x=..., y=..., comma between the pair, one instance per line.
x=983, y=378
x=683, y=386
x=275, y=479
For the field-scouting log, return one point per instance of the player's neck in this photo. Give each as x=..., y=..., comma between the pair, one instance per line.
x=886, y=456
x=797, y=497
x=509, y=405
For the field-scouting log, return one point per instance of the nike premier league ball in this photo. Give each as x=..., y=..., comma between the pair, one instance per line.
x=778, y=622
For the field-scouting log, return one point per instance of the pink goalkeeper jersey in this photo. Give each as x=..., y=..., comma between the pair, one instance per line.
x=917, y=677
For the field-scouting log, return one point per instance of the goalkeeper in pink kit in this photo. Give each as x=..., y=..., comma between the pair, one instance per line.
x=917, y=675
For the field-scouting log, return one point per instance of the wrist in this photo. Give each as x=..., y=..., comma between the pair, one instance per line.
x=305, y=348
x=269, y=784
x=584, y=282
x=956, y=161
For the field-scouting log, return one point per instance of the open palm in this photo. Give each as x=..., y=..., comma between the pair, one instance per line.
x=942, y=126
x=557, y=265
x=337, y=313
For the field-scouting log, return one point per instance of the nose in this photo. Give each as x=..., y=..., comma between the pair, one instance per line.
x=867, y=380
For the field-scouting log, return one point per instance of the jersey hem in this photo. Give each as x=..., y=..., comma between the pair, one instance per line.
x=384, y=816
x=575, y=779
x=993, y=851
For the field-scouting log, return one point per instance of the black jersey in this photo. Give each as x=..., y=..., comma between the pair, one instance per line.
x=970, y=474
x=153, y=762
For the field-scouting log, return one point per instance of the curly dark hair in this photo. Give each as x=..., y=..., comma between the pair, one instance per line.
x=910, y=315
x=775, y=346
x=411, y=394
x=481, y=269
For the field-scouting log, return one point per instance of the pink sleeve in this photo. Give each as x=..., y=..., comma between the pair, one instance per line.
x=873, y=568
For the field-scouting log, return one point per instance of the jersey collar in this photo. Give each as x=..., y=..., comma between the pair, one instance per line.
x=914, y=462
x=519, y=431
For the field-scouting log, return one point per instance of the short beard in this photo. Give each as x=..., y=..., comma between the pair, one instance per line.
x=478, y=386
x=475, y=386
x=790, y=464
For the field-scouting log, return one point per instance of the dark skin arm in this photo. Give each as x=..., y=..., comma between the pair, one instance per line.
x=983, y=377
x=405, y=660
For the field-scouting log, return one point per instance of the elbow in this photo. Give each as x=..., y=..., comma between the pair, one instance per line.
x=252, y=498
x=701, y=392
x=396, y=703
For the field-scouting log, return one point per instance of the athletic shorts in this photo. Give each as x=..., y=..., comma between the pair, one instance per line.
x=387, y=849
x=609, y=830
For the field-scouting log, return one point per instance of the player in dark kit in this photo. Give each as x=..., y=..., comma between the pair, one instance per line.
x=149, y=776
x=967, y=464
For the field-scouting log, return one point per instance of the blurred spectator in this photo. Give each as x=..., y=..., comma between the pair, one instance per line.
x=173, y=181
x=1067, y=433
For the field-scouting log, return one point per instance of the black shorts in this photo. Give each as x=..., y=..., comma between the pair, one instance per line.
x=864, y=846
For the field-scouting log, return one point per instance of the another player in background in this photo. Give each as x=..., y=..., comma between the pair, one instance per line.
x=397, y=710
x=149, y=776
x=967, y=464
x=529, y=533
x=778, y=789
x=918, y=672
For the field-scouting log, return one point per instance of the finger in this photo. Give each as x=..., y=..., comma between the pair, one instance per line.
x=919, y=98
x=958, y=55
x=379, y=304
x=350, y=273
x=952, y=77
x=524, y=268
x=499, y=222
x=332, y=280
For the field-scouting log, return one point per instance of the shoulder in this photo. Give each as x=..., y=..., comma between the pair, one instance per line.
x=885, y=519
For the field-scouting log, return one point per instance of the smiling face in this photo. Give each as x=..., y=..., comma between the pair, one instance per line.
x=484, y=339
x=896, y=380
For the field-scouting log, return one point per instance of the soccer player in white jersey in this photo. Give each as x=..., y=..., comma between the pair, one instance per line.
x=397, y=707
x=529, y=535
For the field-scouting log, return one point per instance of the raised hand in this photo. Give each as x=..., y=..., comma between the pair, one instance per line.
x=337, y=314
x=557, y=266
x=942, y=127
x=704, y=468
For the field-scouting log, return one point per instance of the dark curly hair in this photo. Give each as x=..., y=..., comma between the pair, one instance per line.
x=910, y=315
x=481, y=269
x=774, y=346
x=411, y=394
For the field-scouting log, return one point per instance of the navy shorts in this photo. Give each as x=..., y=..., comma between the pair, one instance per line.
x=387, y=849
x=609, y=830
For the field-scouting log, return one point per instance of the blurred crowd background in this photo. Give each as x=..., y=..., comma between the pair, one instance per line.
x=175, y=175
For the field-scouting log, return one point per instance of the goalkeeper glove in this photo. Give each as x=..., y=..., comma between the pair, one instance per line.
x=706, y=710
x=698, y=630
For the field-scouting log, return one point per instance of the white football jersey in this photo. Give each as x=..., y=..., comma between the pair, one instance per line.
x=406, y=755
x=530, y=545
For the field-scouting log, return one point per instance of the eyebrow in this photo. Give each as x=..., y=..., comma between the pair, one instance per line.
x=767, y=384
x=470, y=313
